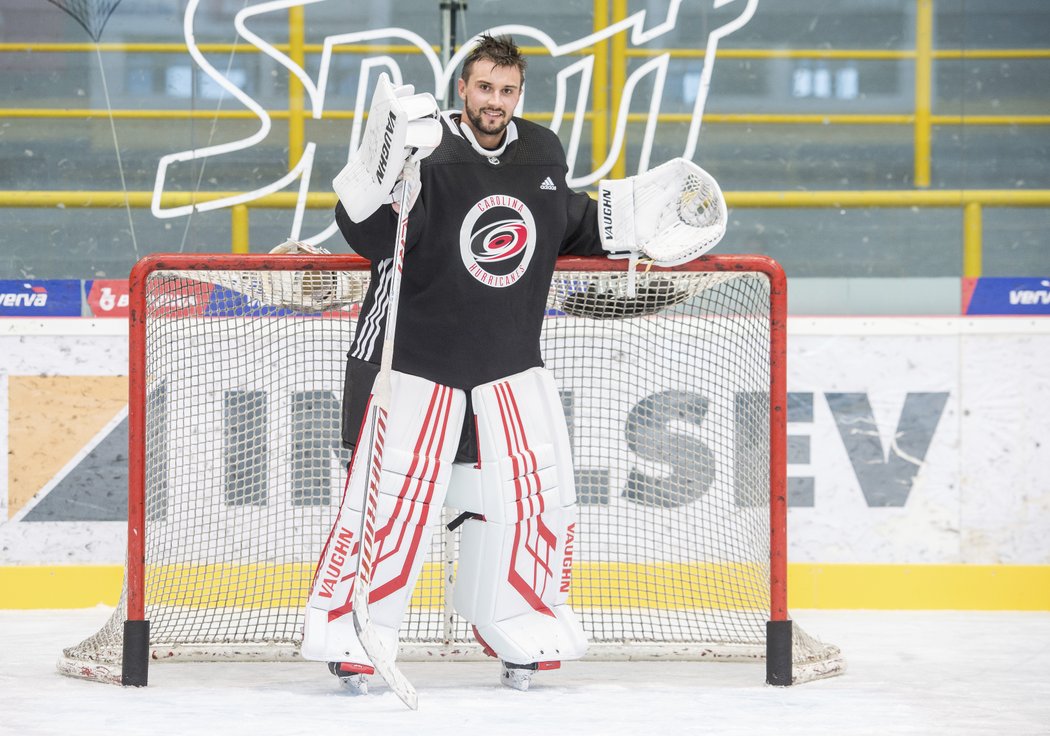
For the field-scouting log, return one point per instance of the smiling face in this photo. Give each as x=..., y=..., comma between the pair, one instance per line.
x=489, y=96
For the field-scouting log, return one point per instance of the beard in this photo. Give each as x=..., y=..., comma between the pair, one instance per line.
x=488, y=127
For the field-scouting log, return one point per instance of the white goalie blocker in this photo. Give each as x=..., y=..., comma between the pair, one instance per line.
x=671, y=214
x=515, y=561
x=421, y=441
x=402, y=128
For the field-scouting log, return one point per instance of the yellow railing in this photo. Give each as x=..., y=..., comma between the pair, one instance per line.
x=972, y=202
x=923, y=92
x=610, y=73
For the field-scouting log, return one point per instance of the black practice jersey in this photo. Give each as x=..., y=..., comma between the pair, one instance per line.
x=481, y=247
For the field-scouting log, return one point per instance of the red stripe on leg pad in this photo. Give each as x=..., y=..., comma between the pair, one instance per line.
x=485, y=648
x=403, y=532
x=522, y=462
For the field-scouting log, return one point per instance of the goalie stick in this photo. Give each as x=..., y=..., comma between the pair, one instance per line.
x=376, y=419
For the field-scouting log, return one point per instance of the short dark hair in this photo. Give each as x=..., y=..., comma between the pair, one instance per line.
x=500, y=50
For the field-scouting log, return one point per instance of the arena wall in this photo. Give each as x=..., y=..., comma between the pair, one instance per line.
x=917, y=462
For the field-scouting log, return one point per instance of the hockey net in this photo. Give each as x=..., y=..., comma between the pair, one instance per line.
x=672, y=383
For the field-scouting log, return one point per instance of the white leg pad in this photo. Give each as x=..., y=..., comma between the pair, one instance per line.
x=514, y=572
x=421, y=439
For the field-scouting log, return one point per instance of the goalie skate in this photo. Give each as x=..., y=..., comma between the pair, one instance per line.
x=519, y=676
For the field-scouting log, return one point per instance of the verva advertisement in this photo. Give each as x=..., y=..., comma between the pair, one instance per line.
x=34, y=298
x=1017, y=295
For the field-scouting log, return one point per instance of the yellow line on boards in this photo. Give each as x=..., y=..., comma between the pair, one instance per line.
x=60, y=586
x=810, y=585
x=919, y=587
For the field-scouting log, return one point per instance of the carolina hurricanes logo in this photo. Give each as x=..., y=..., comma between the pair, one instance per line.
x=497, y=240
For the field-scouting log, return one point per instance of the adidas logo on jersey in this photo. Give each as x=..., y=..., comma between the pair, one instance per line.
x=548, y=184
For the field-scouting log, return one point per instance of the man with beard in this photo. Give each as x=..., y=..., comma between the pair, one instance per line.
x=492, y=215
x=479, y=422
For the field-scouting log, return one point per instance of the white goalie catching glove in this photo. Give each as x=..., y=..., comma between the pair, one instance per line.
x=672, y=213
x=402, y=129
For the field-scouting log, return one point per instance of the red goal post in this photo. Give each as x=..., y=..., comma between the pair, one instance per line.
x=606, y=337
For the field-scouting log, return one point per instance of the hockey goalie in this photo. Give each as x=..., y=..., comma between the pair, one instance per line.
x=479, y=202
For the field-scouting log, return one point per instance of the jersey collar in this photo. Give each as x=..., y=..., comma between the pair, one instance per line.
x=453, y=121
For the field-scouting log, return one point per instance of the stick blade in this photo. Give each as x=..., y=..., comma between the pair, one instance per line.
x=381, y=659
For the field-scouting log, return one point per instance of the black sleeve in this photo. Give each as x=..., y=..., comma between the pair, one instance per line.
x=373, y=237
x=581, y=233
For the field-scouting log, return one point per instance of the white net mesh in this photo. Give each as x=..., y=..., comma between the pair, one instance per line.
x=668, y=412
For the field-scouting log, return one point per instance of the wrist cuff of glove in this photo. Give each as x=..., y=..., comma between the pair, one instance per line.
x=616, y=217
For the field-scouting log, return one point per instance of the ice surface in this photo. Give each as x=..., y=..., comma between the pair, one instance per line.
x=909, y=673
